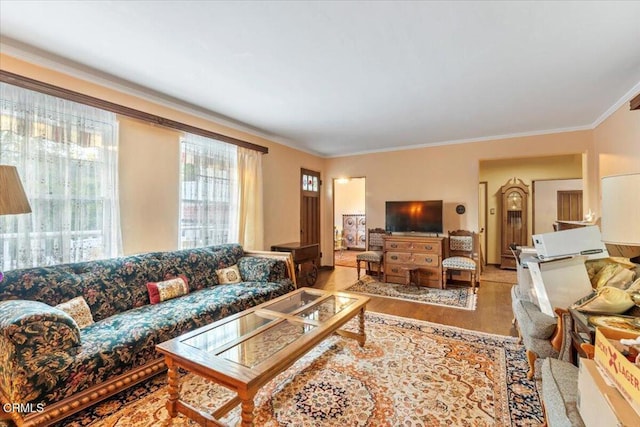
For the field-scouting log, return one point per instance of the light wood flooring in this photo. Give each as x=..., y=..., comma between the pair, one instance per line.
x=493, y=313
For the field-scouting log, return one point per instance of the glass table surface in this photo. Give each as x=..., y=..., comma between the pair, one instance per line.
x=214, y=338
x=265, y=344
x=254, y=337
x=293, y=303
x=326, y=309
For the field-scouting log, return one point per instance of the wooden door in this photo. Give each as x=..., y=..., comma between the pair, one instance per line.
x=309, y=206
x=570, y=205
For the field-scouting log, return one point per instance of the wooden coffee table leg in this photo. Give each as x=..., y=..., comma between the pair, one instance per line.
x=362, y=338
x=247, y=412
x=174, y=388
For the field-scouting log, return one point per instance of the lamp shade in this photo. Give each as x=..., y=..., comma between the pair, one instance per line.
x=12, y=197
x=621, y=209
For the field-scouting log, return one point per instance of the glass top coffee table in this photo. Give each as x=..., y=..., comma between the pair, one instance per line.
x=244, y=351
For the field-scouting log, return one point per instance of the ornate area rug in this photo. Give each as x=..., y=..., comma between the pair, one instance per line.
x=454, y=296
x=410, y=373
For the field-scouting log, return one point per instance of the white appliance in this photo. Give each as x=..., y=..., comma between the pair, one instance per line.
x=576, y=241
x=559, y=282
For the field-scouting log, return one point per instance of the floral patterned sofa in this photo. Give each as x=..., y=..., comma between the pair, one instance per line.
x=52, y=368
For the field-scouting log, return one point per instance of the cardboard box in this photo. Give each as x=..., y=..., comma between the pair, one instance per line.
x=576, y=241
x=599, y=403
x=560, y=282
x=620, y=371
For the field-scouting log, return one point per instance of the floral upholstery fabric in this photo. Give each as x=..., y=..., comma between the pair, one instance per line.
x=44, y=357
x=461, y=243
x=256, y=269
x=459, y=263
x=115, y=285
x=370, y=256
x=30, y=328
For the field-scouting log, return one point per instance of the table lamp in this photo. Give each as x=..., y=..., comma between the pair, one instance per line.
x=620, y=215
x=13, y=200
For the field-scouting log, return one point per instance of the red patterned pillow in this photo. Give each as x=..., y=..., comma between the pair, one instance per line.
x=172, y=288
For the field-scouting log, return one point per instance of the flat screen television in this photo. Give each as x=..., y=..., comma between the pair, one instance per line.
x=414, y=217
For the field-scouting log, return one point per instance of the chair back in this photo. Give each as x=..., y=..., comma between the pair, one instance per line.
x=462, y=243
x=375, y=239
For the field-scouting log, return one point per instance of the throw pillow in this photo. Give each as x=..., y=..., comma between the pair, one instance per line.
x=607, y=300
x=168, y=289
x=229, y=275
x=79, y=311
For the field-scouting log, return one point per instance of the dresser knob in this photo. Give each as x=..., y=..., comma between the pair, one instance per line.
x=428, y=247
x=393, y=245
x=394, y=257
x=429, y=260
x=395, y=270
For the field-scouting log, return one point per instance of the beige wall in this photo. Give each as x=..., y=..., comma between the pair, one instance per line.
x=448, y=172
x=497, y=172
x=282, y=195
x=149, y=167
x=545, y=202
x=149, y=171
x=617, y=145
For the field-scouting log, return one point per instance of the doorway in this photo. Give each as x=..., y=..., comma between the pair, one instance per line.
x=349, y=220
x=552, y=199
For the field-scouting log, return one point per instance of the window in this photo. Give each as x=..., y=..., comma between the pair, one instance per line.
x=66, y=155
x=208, y=200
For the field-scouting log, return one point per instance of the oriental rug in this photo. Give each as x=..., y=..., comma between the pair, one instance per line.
x=409, y=373
x=454, y=296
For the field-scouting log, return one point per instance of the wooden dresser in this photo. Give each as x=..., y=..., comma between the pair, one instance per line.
x=409, y=252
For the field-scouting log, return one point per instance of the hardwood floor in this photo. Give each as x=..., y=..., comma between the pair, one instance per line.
x=493, y=313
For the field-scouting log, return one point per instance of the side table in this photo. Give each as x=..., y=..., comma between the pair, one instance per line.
x=303, y=253
x=582, y=332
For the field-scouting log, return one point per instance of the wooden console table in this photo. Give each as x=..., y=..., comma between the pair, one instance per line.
x=408, y=253
x=305, y=258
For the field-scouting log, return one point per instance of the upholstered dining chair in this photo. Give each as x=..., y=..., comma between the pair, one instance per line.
x=375, y=250
x=461, y=256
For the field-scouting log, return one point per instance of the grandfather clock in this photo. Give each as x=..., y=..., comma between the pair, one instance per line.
x=515, y=194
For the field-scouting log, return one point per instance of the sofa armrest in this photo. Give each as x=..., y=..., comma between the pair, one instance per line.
x=257, y=269
x=34, y=327
x=285, y=257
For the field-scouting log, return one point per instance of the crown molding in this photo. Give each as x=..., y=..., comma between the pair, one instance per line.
x=53, y=62
x=74, y=69
x=623, y=100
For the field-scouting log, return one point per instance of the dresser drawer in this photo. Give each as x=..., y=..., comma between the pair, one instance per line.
x=426, y=260
x=396, y=270
x=398, y=257
x=398, y=245
x=409, y=246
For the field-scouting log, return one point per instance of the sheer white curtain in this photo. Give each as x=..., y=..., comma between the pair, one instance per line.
x=67, y=156
x=209, y=199
x=250, y=212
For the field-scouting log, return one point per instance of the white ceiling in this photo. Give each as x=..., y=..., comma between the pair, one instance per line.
x=336, y=78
